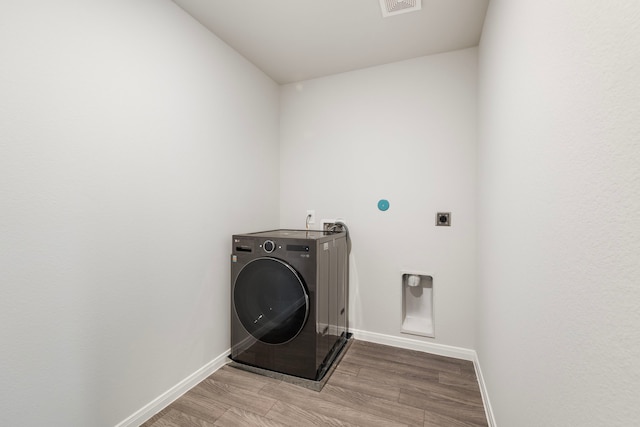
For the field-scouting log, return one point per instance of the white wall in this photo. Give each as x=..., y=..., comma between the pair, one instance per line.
x=559, y=212
x=404, y=132
x=133, y=143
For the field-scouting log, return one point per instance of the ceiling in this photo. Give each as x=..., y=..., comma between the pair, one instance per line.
x=294, y=40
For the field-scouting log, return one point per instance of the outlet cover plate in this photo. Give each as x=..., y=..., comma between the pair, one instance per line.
x=443, y=219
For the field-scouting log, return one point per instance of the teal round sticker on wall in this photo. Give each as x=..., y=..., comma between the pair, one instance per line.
x=383, y=204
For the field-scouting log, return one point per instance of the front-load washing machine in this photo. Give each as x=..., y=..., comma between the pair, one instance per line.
x=289, y=300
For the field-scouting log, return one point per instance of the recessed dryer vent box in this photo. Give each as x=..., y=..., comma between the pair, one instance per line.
x=417, y=304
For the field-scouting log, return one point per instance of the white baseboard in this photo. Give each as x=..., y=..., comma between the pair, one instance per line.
x=434, y=348
x=491, y=420
x=165, y=399
x=413, y=344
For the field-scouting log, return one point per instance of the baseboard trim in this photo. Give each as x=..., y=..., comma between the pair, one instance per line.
x=434, y=348
x=491, y=420
x=413, y=344
x=168, y=397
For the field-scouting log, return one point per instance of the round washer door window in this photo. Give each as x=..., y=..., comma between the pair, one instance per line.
x=271, y=300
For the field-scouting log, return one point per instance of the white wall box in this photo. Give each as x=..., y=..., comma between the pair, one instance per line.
x=417, y=304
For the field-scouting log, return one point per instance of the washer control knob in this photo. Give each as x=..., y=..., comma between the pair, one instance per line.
x=269, y=246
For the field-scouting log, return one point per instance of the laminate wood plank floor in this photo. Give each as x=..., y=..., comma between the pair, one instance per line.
x=373, y=385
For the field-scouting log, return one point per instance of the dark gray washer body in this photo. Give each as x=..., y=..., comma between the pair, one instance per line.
x=289, y=300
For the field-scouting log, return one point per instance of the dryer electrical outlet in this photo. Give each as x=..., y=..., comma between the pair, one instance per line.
x=443, y=219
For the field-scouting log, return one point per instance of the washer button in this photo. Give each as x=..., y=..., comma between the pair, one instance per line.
x=269, y=246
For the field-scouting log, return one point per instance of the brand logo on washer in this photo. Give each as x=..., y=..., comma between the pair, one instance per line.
x=304, y=255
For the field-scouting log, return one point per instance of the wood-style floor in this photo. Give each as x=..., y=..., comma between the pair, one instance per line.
x=374, y=385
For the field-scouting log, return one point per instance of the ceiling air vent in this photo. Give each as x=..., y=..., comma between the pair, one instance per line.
x=396, y=7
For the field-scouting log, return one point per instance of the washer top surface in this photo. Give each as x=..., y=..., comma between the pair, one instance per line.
x=292, y=234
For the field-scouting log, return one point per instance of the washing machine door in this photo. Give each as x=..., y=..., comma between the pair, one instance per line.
x=271, y=300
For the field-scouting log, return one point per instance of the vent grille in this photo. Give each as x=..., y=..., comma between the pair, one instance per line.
x=396, y=7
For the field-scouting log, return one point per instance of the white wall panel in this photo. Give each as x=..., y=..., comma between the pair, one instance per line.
x=133, y=143
x=559, y=212
x=404, y=132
